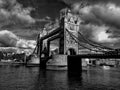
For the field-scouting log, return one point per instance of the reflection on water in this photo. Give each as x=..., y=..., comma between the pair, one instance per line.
x=32, y=78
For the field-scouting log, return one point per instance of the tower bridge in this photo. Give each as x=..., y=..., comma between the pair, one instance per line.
x=67, y=35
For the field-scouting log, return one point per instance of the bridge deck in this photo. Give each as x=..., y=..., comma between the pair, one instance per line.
x=96, y=56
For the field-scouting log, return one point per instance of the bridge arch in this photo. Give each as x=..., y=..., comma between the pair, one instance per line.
x=71, y=51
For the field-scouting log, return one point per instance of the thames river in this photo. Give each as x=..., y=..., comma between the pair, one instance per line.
x=33, y=78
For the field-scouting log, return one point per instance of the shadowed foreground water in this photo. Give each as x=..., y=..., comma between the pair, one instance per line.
x=31, y=78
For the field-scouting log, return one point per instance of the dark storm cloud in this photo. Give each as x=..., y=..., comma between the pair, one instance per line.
x=14, y=17
x=101, y=13
x=13, y=13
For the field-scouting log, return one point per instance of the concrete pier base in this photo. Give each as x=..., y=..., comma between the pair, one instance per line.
x=58, y=62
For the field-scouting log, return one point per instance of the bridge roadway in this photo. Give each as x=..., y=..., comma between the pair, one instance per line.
x=96, y=56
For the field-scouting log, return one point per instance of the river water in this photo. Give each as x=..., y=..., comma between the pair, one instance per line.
x=33, y=78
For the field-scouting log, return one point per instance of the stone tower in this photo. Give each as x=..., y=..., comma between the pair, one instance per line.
x=71, y=28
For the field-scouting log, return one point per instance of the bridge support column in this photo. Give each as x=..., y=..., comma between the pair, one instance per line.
x=74, y=65
x=42, y=61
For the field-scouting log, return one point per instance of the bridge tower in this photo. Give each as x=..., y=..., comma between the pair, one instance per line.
x=71, y=28
x=66, y=35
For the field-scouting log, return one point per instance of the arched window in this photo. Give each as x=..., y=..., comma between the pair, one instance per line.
x=71, y=51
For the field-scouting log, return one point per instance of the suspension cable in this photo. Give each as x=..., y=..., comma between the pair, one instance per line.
x=86, y=41
x=93, y=43
x=80, y=44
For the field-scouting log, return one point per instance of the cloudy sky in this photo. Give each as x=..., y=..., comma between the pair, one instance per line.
x=22, y=20
x=26, y=17
x=101, y=20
